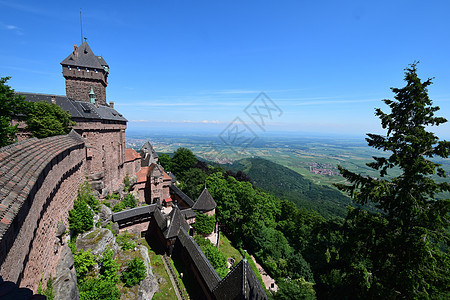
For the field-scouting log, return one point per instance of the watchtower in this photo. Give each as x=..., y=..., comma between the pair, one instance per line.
x=85, y=72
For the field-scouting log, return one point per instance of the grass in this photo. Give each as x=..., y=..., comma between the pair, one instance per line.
x=179, y=279
x=166, y=289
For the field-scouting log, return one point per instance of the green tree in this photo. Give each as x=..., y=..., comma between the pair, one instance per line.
x=44, y=120
x=109, y=267
x=295, y=289
x=165, y=161
x=12, y=106
x=182, y=160
x=398, y=253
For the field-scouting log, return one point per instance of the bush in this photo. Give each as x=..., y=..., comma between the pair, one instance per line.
x=134, y=273
x=119, y=207
x=86, y=194
x=125, y=241
x=81, y=218
x=129, y=201
x=109, y=268
x=215, y=257
x=83, y=261
x=97, y=288
x=204, y=224
x=48, y=292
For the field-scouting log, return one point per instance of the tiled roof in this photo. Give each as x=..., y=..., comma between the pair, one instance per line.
x=141, y=211
x=174, y=189
x=240, y=283
x=205, y=201
x=142, y=174
x=84, y=57
x=188, y=213
x=205, y=268
x=131, y=154
x=77, y=109
x=177, y=221
x=20, y=166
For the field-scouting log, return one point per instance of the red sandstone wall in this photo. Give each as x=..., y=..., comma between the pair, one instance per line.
x=105, y=145
x=33, y=250
x=79, y=89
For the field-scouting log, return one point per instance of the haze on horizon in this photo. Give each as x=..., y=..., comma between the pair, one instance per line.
x=196, y=66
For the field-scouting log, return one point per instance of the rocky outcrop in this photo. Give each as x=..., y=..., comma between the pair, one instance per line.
x=105, y=214
x=65, y=284
x=96, y=240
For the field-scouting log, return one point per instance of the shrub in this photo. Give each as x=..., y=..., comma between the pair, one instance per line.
x=129, y=201
x=204, y=224
x=81, y=218
x=83, y=261
x=48, y=292
x=134, y=273
x=125, y=241
x=109, y=267
x=215, y=257
x=86, y=194
x=97, y=288
x=118, y=207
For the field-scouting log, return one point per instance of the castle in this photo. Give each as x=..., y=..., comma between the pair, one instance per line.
x=39, y=181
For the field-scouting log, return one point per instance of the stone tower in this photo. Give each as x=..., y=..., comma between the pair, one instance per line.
x=84, y=71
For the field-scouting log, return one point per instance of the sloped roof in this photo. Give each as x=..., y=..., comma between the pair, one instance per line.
x=141, y=211
x=240, y=283
x=142, y=175
x=177, y=221
x=205, y=202
x=131, y=154
x=84, y=57
x=203, y=265
x=77, y=109
x=166, y=177
x=175, y=190
x=188, y=213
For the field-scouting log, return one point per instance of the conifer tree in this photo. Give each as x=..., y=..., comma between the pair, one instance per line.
x=401, y=252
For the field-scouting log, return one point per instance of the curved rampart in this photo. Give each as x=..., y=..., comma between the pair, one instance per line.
x=38, y=184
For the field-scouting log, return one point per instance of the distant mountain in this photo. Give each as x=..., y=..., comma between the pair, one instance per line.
x=288, y=184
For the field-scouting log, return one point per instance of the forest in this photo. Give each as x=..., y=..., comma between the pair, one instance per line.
x=399, y=250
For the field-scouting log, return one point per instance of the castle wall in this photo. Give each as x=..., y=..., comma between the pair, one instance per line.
x=49, y=172
x=105, y=153
x=79, y=89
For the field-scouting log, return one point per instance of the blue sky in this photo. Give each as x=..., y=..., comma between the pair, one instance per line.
x=196, y=65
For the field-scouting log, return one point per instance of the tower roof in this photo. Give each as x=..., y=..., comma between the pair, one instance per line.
x=240, y=283
x=205, y=202
x=84, y=57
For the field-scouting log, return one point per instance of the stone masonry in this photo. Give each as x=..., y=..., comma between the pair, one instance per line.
x=38, y=180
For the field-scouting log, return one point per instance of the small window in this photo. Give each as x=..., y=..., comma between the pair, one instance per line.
x=87, y=70
x=78, y=68
x=95, y=70
x=69, y=67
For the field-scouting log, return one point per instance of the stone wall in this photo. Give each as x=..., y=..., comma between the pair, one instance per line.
x=105, y=153
x=79, y=89
x=39, y=181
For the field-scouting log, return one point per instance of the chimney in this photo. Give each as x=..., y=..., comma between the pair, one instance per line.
x=111, y=104
x=53, y=99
